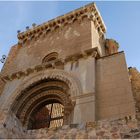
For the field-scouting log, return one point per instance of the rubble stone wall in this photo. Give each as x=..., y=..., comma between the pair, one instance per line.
x=10, y=127
x=135, y=83
x=115, y=129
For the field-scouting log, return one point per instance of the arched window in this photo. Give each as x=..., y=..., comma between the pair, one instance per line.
x=50, y=57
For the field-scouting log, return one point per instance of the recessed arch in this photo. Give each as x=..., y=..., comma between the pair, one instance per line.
x=72, y=86
x=33, y=96
x=50, y=57
x=40, y=86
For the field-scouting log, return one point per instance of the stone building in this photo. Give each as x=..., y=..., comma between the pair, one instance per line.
x=64, y=72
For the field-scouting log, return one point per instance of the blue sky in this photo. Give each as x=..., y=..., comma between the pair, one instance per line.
x=122, y=20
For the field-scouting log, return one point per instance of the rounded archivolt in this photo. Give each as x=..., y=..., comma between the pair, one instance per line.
x=72, y=82
x=50, y=57
x=38, y=97
x=43, y=88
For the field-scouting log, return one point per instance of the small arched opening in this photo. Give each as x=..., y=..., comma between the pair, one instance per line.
x=50, y=57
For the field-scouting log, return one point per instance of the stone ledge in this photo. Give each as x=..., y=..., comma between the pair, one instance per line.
x=89, y=11
x=75, y=57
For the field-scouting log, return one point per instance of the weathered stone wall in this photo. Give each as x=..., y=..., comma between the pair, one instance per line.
x=114, y=129
x=113, y=89
x=8, y=91
x=2, y=84
x=135, y=83
x=8, y=66
x=72, y=39
x=84, y=71
x=111, y=82
x=10, y=127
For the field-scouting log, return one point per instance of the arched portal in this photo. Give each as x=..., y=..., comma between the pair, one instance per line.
x=45, y=103
x=37, y=89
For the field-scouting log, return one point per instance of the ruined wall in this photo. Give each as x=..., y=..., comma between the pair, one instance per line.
x=135, y=83
x=113, y=89
x=9, y=88
x=114, y=129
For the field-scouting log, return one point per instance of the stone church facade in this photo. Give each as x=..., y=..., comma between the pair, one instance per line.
x=64, y=72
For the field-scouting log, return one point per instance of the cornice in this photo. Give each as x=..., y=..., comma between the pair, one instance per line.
x=89, y=11
x=93, y=52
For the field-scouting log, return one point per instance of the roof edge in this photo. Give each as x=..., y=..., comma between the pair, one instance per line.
x=89, y=11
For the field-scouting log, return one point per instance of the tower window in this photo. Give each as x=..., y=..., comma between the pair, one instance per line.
x=50, y=57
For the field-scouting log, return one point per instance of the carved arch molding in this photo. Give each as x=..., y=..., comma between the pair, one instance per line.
x=53, y=86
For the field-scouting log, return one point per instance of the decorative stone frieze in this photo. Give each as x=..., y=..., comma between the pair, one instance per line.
x=89, y=11
x=93, y=52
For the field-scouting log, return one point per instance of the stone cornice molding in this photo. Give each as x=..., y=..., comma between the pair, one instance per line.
x=89, y=11
x=93, y=52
